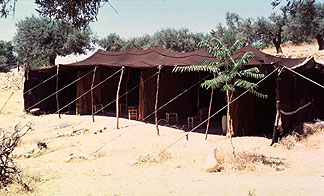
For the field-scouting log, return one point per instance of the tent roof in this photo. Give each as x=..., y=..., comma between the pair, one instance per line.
x=138, y=58
x=263, y=58
x=143, y=59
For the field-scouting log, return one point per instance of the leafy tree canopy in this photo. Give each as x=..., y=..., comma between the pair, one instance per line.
x=39, y=43
x=306, y=23
x=236, y=28
x=80, y=12
x=7, y=57
x=181, y=40
x=112, y=42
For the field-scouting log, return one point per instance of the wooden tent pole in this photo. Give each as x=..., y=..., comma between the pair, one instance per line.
x=56, y=93
x=92, y=101
x=157, y=98
x=117, y=96
x=277, y=126
x=209, y=110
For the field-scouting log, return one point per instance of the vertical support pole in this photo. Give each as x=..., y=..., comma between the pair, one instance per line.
x=157, y=99
x=56, y=93
x=92, y=101
x=277, y=126
x=117, y=95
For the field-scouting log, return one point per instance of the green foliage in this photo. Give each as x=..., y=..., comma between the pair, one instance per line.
x=260, y=46
x=236, y=28
x=112, y=43
x=7, y=57
x=80, y=13
x=143, y=42
x=270, y=30
x=307, y=22
x=38, y=42
x=181, y=40
x=230, y=73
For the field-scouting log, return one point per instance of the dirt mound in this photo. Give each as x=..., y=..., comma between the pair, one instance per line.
x=11, y=81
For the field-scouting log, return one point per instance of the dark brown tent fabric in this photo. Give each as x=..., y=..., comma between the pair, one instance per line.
x=251, y=115
x=261, y=58
x=143, y=59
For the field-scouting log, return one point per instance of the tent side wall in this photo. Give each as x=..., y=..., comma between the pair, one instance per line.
x=84, y=104
x=174, y=84
x=300, y=100
x=252, y=115
x=45, y=88
x=171, y=85
x=36, y=77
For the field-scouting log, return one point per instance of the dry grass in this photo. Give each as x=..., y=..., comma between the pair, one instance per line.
x=248, y=162
x=151, y=158
x=301, y=134
x=15, y=188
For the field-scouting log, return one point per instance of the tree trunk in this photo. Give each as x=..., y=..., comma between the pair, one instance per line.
x=52, y=61
x=277, y=45
x=229, y=120
x=320, y=42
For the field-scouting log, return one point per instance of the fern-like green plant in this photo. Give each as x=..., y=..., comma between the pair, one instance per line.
x=229, y=73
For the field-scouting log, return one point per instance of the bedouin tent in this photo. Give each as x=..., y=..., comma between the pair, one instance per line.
x=298, y=99
x=140, y=69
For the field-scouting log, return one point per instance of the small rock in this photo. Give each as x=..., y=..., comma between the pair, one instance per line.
x=41, y=145
x=279, y=168
x=79, y=156
x=35, y=111
x=211, y=164
x=141, y=158
x=27, y=156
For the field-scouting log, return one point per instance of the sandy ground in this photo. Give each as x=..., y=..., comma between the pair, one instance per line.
x=107, y=161
x=303, y=50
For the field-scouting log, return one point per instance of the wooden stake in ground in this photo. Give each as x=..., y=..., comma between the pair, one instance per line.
x=92, y=104
x=157, y=98
x=117, y=96
x=56, y=93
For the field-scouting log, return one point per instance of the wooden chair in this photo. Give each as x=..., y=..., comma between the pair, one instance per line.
x=133, y=112
x=172, y=117
x=193, y=121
